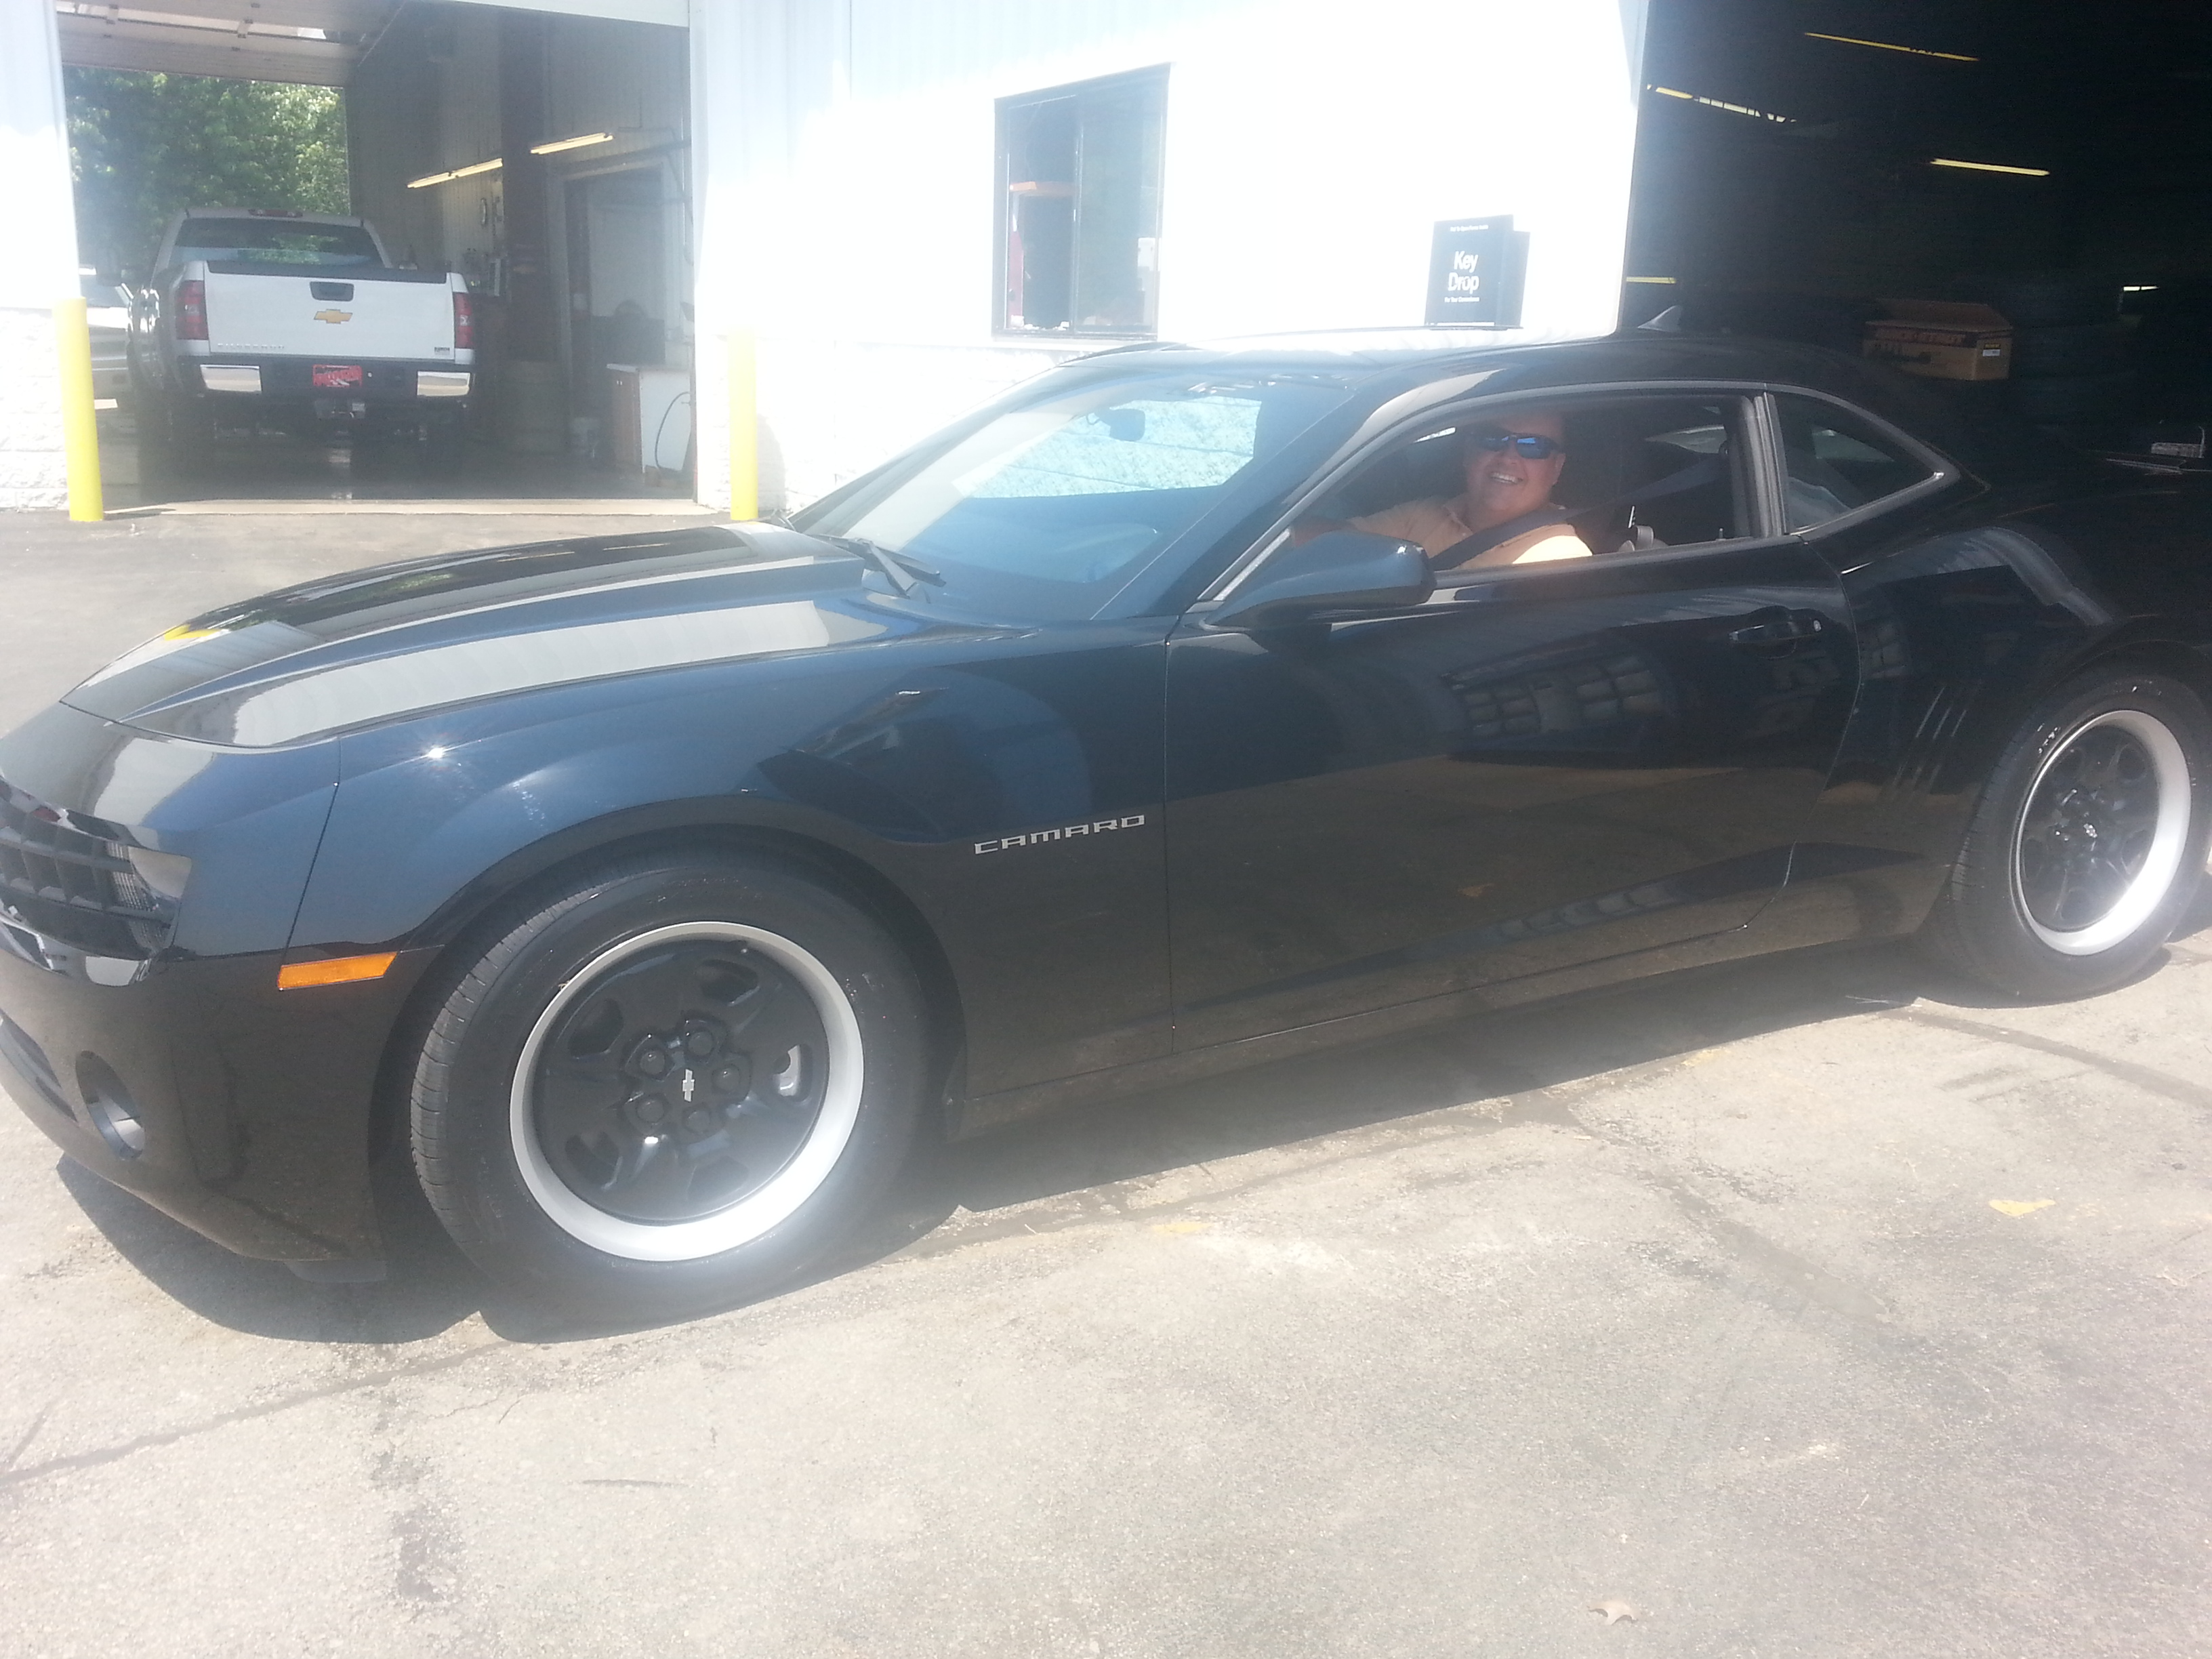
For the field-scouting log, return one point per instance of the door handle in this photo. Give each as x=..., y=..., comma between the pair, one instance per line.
x=1785, y=629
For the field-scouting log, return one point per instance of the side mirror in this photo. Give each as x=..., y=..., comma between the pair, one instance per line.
x=1338, y=570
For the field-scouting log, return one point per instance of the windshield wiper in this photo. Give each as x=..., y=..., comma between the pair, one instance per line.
x=904, y=572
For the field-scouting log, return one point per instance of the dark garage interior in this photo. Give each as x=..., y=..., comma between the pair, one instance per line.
x=1809, y=169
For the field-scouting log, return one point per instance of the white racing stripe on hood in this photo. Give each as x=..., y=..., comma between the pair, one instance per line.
x=359, y=693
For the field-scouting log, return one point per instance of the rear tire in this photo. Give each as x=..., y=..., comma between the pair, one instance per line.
x=670, y=1087
x=2088, y=842
x=176, y=437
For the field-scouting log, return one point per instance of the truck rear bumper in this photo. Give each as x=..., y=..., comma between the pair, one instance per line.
x=336, y=388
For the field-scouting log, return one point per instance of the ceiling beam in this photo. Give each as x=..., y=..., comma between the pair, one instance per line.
x=90, y=44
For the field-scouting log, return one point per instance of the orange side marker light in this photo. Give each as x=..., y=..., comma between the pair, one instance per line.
x=333, y=970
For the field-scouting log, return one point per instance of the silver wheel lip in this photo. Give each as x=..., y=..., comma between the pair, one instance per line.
x=2168, y=840
x=758, y=1213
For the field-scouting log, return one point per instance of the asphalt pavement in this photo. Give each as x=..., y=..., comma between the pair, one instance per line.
x=1814, y=1306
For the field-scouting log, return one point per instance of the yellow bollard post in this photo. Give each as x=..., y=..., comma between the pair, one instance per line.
x=745, y=423
x=80, y=425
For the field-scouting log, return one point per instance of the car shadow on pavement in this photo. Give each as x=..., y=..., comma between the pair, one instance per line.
x=431, y=1288
x=963, y=1193
x=1504, y=1062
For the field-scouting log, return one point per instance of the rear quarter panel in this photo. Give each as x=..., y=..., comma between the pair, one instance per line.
x=1967, y=620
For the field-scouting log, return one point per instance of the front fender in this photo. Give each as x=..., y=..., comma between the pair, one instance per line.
x=923, y=769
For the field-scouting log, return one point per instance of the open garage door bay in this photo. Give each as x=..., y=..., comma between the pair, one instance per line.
x=534, y=159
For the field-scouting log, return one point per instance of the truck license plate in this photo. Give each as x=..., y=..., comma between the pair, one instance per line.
x=337, y=374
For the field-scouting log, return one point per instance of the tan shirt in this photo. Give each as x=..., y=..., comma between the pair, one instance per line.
x=1434, y=523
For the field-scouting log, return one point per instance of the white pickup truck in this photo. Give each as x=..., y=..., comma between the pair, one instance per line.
x=297, y=320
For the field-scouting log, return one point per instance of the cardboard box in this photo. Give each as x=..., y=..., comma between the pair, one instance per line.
x=1949, y=339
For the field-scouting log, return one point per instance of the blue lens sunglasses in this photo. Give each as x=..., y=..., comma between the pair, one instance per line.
x=1529, y=445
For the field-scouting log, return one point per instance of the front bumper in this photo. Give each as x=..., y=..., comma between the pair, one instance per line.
x=254, y=1108
x=249, y=1110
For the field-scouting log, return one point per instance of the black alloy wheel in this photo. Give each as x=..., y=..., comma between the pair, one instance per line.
x=679, y=1079
x=2089, y=829
x=670, y=1084
x=2090, y=841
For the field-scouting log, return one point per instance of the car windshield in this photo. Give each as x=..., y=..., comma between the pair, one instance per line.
x=275, y=241
x=1045, y=509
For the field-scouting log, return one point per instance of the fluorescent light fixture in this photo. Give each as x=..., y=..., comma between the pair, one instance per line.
x=2140, y=288
x=1647, y=279
x=1992, y=167
x=429, y=179
x=1890, y=46
x=1733, y=109
x=577, y=143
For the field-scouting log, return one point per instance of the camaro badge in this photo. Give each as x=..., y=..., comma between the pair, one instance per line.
x=334, y=315
x=1098, y=827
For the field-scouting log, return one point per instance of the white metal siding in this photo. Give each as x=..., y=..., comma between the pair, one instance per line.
x=1310, y=147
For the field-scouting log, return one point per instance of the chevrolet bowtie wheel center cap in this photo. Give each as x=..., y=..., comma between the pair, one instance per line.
x=680, y=1081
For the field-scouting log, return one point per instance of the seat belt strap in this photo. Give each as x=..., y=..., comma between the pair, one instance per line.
x=1693, y=477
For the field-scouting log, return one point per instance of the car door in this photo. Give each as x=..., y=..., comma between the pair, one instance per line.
x=1542, y=766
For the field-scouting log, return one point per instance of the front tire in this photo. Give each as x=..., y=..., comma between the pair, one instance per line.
x=670, y=1086
x=2088, y=844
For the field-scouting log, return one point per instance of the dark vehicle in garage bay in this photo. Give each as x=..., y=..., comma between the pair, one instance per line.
x=656, y=892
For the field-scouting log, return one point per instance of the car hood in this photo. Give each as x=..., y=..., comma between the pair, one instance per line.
x=399, y=640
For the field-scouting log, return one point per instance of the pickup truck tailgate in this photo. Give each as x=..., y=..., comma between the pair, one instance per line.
x=344, y=315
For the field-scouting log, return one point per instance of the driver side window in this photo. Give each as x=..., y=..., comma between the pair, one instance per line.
x=1539, y=481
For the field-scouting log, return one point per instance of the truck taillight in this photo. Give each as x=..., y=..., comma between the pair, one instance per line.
x=464, y=322
x=191, y=310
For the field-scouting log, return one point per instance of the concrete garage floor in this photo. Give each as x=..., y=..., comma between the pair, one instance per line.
x=272, y=472
x=1810, y=1307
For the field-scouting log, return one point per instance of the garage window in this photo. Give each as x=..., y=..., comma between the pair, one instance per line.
x=1837, y=462
x=1079, y=207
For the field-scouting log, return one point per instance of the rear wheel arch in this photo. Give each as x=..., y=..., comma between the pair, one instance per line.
x=1984, y=922
x=2190, y=665
x=1991, y=724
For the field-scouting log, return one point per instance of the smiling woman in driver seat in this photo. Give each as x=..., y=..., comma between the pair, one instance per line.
x=1504, y=514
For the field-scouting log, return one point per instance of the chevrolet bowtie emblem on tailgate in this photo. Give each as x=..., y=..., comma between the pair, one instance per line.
x=1037, y=838
x=334, y=316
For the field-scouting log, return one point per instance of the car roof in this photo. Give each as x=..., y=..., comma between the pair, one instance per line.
x=1961, y=420
x=1634, y=354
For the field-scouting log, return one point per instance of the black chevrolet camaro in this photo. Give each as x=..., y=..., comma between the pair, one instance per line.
x=655, y=892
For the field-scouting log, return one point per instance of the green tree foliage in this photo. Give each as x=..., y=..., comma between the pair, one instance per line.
x=141, y=146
